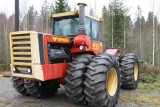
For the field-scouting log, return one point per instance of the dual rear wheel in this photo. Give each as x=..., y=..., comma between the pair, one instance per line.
x=75, y=79
x=102, y=83
x=98, y=80
x=129, y=71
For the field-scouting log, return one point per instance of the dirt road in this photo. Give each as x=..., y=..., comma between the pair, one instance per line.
x=10, y=98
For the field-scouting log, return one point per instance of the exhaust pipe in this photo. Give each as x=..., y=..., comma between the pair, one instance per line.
x=16, y=15
x=82, y=29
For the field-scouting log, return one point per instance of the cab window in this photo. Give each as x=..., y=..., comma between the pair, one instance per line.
x=70, y=26
x=88, y=26
x=66, y=27
x=95, y=30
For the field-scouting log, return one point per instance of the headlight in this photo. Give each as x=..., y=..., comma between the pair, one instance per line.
x=14, y=69
x=81, y=47
x=29, y=70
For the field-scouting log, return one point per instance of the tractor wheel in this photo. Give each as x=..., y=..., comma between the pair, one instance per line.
x=129, y=71
x=75, y=78
x=102, y=83
x=42, y=89
x=18, y=84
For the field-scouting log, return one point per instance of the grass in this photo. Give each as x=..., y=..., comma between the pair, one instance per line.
x=4, y=67
x=1, y=68
x=142, y=99
x=149, y=77
x=1, y=77
x=149, y=82
x=149, y=87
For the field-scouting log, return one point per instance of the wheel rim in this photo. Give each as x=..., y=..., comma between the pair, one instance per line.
x=112, y=82
x=135, y=72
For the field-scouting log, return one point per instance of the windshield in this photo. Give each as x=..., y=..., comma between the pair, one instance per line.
x=70, y=26
x=66, y=27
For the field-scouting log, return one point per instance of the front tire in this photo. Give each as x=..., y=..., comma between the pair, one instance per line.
x=18, y=84
x=42, y=89
x=102, y=83
x=129, y=71
x=75, y=78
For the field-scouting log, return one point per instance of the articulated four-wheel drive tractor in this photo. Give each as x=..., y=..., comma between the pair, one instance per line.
x=72, y=56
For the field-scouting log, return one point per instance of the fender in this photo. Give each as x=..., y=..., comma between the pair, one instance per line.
x=112, y=51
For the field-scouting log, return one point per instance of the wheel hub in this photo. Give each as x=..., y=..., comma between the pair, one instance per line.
x=135, y=72
x=112, y=82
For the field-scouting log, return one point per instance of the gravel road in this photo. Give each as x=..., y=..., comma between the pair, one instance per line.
x=10, y=98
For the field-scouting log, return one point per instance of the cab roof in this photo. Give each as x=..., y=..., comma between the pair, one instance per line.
x=72, y=13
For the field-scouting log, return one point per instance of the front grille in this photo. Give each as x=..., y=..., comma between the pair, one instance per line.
x=21, y=52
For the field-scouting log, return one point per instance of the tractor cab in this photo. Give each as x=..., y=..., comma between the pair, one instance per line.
x=67, y=24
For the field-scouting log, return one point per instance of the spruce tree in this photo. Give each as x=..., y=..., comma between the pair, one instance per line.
x=61, y=6
x=118, y=23
x=106, y=28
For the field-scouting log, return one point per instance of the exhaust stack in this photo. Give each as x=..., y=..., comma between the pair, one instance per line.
x=16, y=15
x=82, y=29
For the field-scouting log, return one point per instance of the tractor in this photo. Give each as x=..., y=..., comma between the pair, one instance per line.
x=72, y=56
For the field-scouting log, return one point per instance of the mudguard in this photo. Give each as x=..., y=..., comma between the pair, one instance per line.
x=112, y=51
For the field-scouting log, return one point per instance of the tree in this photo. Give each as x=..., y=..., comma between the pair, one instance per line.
x=156, y=41
x=127, y=32
x=91, y=12
x=32, y=15
x=106, y=28
x=138, y=33
x=158, y=45
x=143, y=38
x=118, y=23
x=23, y=16
x=149, y=42
x=3, y=24
x=9, y=28
x=153, y=36
x=44, y=16
x=6, y=26
x=114, y=29
x=61, y=6
x=139, y=15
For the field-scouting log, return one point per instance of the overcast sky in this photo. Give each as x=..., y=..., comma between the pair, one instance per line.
x=7, y=6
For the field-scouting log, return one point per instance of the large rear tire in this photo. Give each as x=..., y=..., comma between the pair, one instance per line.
x=129, y=71
x=75, y=78
x=18, y=84
x=102, y=83
x=42, y=89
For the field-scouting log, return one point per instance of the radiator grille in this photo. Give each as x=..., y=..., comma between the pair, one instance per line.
x=21, y=51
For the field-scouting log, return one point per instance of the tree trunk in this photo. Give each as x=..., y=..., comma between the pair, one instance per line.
x=112, y=28
x=140, y=34
x=153, y=60
x=124, y=37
